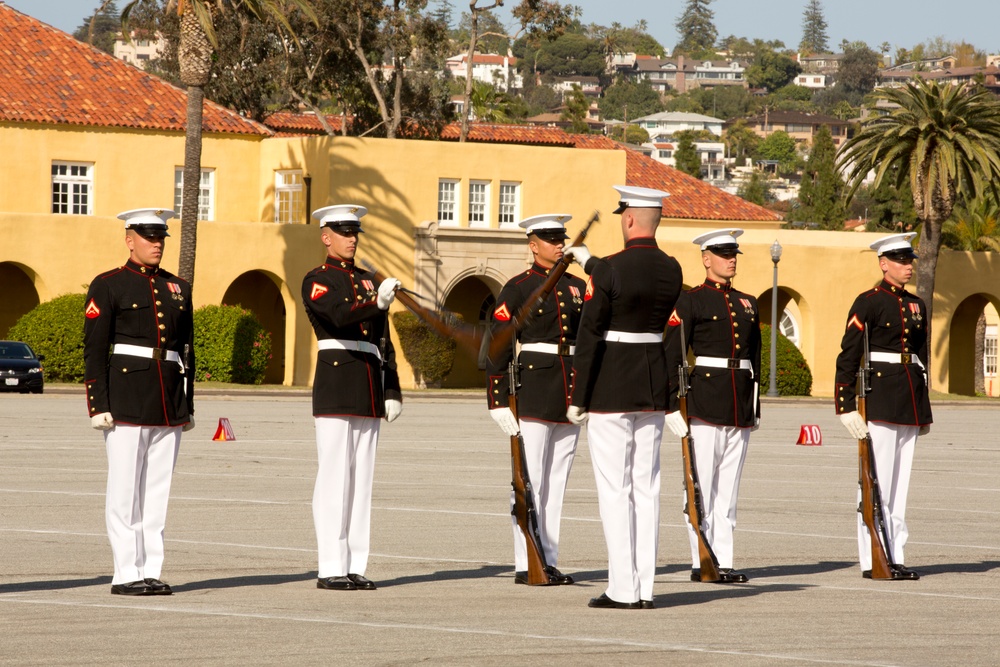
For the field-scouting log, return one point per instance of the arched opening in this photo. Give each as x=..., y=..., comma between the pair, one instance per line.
x=20, y=295
x=258, y=292
x=790, y=316
x=968, y=358
x=473, y=298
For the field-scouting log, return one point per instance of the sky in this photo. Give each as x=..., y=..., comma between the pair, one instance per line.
x=901, y=23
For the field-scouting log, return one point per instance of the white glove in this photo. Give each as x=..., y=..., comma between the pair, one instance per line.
x=505, y=420
x=190, y=425
x=756, y=425
x=854, y=424
x=676, y=423
x=579, y=253
x=393, y=409
x=387, y=293
x=102, y=422
x=576, y=415
x=924, y=430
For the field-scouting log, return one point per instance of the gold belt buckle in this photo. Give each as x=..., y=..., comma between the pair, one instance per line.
x=906, y=358
x=563, y=349
x=732, y=364
x=159, y=354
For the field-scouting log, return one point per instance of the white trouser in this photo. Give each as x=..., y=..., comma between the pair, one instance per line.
x=140, y=466
x=893, y=447
x=342, y=498
x=625, y=449
x=719, y=453
x=549, y=448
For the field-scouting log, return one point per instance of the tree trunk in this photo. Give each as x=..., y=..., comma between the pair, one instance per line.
x=980, y=353
x=192, y=183
x=937, y=211
x=463, y=130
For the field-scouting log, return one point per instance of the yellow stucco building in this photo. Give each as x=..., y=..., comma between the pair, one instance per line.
x=87, y=136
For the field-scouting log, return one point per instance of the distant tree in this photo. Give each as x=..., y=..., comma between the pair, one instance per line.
x=696, y=29
x=844, y=111
x=570, y=54
x=101, y=28
x=780, y=147
x=718, y=101
x=741, y=141
x=966, y=55
x=444, y=13
x=686, y=156
x=886, y=208
x=577, y=106
x=771, y=70
x=492, y=33
x=488, y=104
x=755, y=189
x=821, y=194
x=633, y=134
x=859, y=69
x=540, y=98
x=814, y=37
x=627, y=99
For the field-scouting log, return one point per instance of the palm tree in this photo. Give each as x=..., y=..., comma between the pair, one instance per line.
x=943, y=139
x=194, y=54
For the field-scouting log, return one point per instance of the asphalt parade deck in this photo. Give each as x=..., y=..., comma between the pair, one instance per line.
x=240, y=551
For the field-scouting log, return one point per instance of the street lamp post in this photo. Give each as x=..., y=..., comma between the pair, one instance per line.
x=772, y=390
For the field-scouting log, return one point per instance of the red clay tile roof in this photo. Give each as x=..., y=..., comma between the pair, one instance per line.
x=48, y=77
x=287, y=123
x=510, y=134
x=690, y=198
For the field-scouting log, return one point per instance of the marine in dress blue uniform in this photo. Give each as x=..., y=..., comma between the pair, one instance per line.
x=545, y=364
x=139, y=361
x=722, y=328
x=354, y=387
x=898, y=406
x=622, y=384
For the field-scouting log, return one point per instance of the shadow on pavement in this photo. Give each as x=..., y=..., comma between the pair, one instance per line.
x=52, y=585
x=236, y=582
x=483, y=572
x=958, y=568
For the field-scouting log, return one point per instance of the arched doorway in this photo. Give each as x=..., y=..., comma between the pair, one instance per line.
x=20, y=295
x=966, y=341
x=258, y=292
x=473, y=298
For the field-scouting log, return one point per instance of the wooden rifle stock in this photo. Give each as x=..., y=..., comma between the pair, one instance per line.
x=502, y=338
x=524, y=501
x=464, y=336
x=871, y=496
x=692, y=489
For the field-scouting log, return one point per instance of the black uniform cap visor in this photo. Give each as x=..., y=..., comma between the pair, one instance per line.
x=901, y=253
x=551, y=235
x=344, y=226
x=726, y=249
x=150, y=231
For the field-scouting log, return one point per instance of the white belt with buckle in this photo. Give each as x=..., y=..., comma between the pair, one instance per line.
x=351, y=345
x=721, y=362
x=896, y=358
x=157, y=353
x=631, y=337
x=549, y=348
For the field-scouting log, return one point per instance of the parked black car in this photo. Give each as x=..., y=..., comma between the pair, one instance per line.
x=20, y=369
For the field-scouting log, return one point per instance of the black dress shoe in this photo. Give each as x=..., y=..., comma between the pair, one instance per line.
x=336, y=584
x=896, y=575
x=604, y=602
x=646, y=604
x=557, y=578
x=132, y=588
x=157, y=587
x=361, y=582
x=728, y=576
x=907, y=573
x=695, y=575
x=521, y=578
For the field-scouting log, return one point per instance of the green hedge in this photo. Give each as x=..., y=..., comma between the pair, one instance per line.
x=793, y=375
x=230, y=345
x=430, y=355
x=55, y=329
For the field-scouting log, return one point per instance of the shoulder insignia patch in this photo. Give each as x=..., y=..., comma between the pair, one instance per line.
x=589, y=294
x=674, y=320
x=92, y=310
x=855, y=322
x=317, y=291
x=502, y=313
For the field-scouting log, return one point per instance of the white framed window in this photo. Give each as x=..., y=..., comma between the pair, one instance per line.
x=72, y=188
x=447, y=202
x=990, y=352
x=206, y=194
x=509, y=212
x=289, y=196
x=789, y=328
x=665, y=154
x=479, y=203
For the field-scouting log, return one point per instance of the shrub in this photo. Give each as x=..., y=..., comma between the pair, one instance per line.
x=430, y=355
x=230, y=345
x=55, y=329
x=793, y=375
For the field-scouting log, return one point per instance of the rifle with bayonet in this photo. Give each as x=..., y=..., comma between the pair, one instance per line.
x=502, y=338
x=692, y=489
x=524, y=497
x=871, y=497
